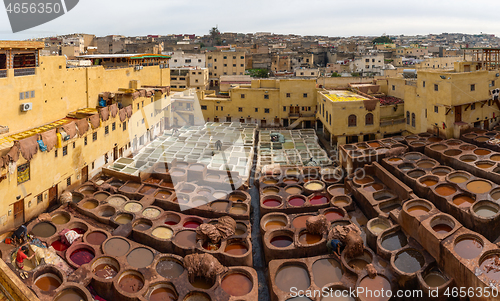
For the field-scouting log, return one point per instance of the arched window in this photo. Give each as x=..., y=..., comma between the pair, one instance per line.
x=413, y=119
x=369, y=119
x=408, y=117
x=351, y=121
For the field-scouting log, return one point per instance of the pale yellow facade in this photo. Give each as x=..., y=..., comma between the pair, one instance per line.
x=224, y=63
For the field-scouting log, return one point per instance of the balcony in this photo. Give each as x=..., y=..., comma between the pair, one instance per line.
x=24, y=71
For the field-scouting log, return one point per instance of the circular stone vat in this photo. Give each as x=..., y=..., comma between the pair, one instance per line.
x=479, y=186
x=458, y=177
x=186, y=239
x=378, y=225
x=219, y=205
x=296, y=200
x=142, y=225
x=413, y=156
x=101, y=195
x=482, y=152
x=416, y=173
x=300, y=221
x=202, y=283
x=359, y=263
x=429, y=181
x=105, y=267
x=442, y=224
x=485, y=164
x=140, y=257
x=435, y=279
x=409, y=261
x=237, y=197
x=495, y=158
x=290, y=181
x=117, y=200
x=467, y=158
x=293, y=190
x=169, y=268
x=341, y=200
x=417, y=143
x=236, y=247
x=87, y=190
x=151, y=213
x=318, y=199
x=116, y=247
x=438, y=147
x=163, y=194
x=289, y=276
x=162, y=232
x=197, y=296
x=281, y=241
x=192, y=223
x=364, y=180
x=96, y=238
x=236, y=284
x=383, y=195
x=395, y=160
x=417, y=207
x=314, y=186
x=463, y=201
x=133, y=207
x=61, y=218
x=405, y=167
x=48, y=282
x=131, y=281
x=82, y=256
x=394, y=241
x=332, y=214
x=71, y=294
x=238, y=209
x=482, y=139
x=44, y=229
x=292, y=172
x=90, y=204
x=490, y=265
x=123, y=218
x=306, y=238
x=445, y=190
x=269, y=181
x=336, y=190
x=467, y=147
x=441, y=171
x=453, y=152
x=326, y=271
x=163, y=292
x=106, y=211
x=468, y=246
x=273, y=221
x=270, y=190
x=426, y=164
x=374, y=187
x=485, y=209
x=219, y=195
x=172, y=219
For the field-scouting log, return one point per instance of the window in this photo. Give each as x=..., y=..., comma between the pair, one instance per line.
x=473, y=106
x=367, y=60
x=242, y=95
x=284, y=108
x=393, y=88
x=68, y=181
x=234, y=65
x=234, y=57
x=142, y=121
x=65, y=150
x=266, y=111
x=85, y=140
x=351, y=121
x=492, y=83
x=242, y=57
x=240, y=109
x=413, y=119
x=93, y=165
x=138, y=107
x=33, y=93
x=216, y=108
x=21, y=96
x=39, y=198
x=288, y=95
x=256, y=110
x=125, y=126
x=266, y=96
x=94, y=136
x=106, y=130
x=225, y=57
x=26, y=94
x=113, y=126
x=304, y=95
x=55, y=153
x=241, y=65
x=23, y=173
x=436, y=87
x=423, y=84
x=436, y=109
x=225, y=65
x=221, y=108
x=472, y=87
x=203, y=107
x=408, y=117
x=74, y=145
x=369, y=119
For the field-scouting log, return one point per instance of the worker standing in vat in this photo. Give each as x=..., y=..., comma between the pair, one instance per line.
x=335, y=247
x=21, y=256
x=218, y=145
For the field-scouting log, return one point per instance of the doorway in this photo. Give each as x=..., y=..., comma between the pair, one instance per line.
x=85, y=174
x=115, y=153
x=285, y=122
x=263, y=123
x=53, y=195
x=458, y=113
x=18, y=213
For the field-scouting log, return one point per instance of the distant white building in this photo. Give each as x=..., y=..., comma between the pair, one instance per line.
x=306, y=72
x=181, y=59
x=372, y=63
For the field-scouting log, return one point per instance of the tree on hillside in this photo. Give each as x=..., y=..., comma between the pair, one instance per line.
x=382, y=40
x=215, y=36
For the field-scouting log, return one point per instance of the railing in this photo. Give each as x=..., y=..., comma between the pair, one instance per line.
x=24, y=71
x=3, y=73
x=392, y=122
x=411, y=83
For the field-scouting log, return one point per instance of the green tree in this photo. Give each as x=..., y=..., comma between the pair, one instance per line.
x=215, y=36
x=260, y=73
x=335, y=74
x=355, y=74
x=382, y=40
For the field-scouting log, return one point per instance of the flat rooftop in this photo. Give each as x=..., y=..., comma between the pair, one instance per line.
x=343, y=95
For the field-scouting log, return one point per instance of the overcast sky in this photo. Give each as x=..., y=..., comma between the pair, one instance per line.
x=309, y=17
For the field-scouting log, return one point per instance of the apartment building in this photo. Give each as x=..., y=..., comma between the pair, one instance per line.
x=224, y=63
x=184, y=78
x=181, y=59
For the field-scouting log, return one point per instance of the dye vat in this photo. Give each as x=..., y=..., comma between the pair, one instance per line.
x=151, y=213
x=479, y=186
x=300, y=221
x=43, y=229
x=116, y=247
x=293, y=190
x=485, y=211
x=270, y=191
x=292, y=276
x=238, y=209
x=458, y=179
x=274, y=224
x=236, y=284
x=140, y=258
x=442, y=228
x=201, y=283
x=463, y=201
x=326, y=271
x=395, y=160
x=394, y=241
x=417, y=210
x=429, y=182
x=116, y=200
x=101, y=196
x=341, y=201
x=191, y=224
x=70, y=295
x=378, y=228
x=482, y=152
x=268, y=181
x=318, y=200
x=363, y=180
x=82, y=256
x=163, y=194
x=468, y=248
x=123, y=219
x=210, y=246
x=142, y=226
x=219, y=205
x=131, y=283
x=90, y=205
x=281, y=241
x=60, y=219
x=133, y=207
x=96, y=238
x=237, y=249
x=169, y=268
x=378, y=283
x=357, y=264
x=426, y=164
x=48, y=282
x=162, y=294
x=237, y=198
x=314, y=186
x=495, y=158
x=491, y=267
x=296, y=201
x=445, y=190
x=439, y=147
x=337, y=190
x=306, y=238
x=59, y=246
x=105, y=271
x=186, y=239
x=333, y=215
x=485, y=165
x=130, y=187
x=374, y=187
x=290, y=181
x=435, y=279
x=163, y=233
x=409, y=261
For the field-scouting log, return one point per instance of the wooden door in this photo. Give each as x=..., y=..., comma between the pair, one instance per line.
x=19, y=213
x=115, y=153
x=263, y=122
x=53, y=195
x=486, y=124
x=85, y=174
x=121, y=152
x=458, y=113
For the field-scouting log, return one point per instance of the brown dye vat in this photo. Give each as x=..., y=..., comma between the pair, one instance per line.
x=337, y=190
x=458, y=179
x=219, y=205
x=186, y=239
x=210, y=246
x=142, y=226
x=238, y=209
x=364, y=180
x=96, y=238
x=495, y=158
x=306, y=238
x=105, y=271
x=339, y=201
x=416, y=174
x=270, y=190
x=439, y=147
x=70, y=295
x=101, y=196
x=417, y=210
x=162, y=294
x=482, y=152
x=163, y=194
x=130, y=187
x=374, y=187
x=123, y=219
x=90, y=204
x=495, y=194
x=445, y=190
x=374, y=144
x=236, y=284
x=468, y=248
x=434, y=139
x=293, y=190
x=152, y=181
x=43, y=229
x=274, y=224
x=357, y=264
x=48, y=282
x=482, y=139
x=426, y=164
x=107, y=211
x=409, y=261
x=116, y=201
x=479, y=186
x=378, y=283
x=395, y=160
x=326, y=271
x=463, y=201
x=131, y=283
x=292, y=276
x=333, y=215
x=485, y=165
x=116, y=247
x=290, y=181
x=281, y=241
x=429, y=182
x=60, y=219
x=300, y=221
x=435, y=279
x=140, y=257
x=202, y=283
x=237, y=198
x=169, y=268
x=270, y=181
x=167, y=184
x=442, y=228
x=237, y=249
x=76, y=198
x=394, y=241
x=452, y=152
x=491, y=267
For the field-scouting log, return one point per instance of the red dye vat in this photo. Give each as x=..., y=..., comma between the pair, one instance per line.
x=82, y=256
x=318, y=200
x=59, y=246
x=333, y=215
x=191, y=224
x=170, y=223
x=296, y=201
x=272, y=203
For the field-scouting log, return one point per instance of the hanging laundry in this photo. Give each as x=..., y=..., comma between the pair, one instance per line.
x=42, y=146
